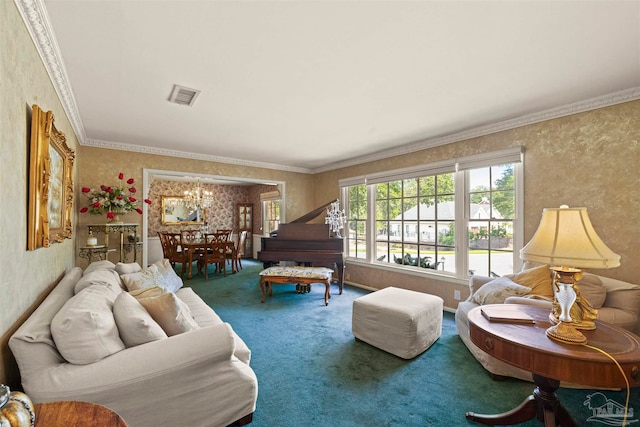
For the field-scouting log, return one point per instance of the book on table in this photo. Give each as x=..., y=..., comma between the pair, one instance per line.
x=506, y=314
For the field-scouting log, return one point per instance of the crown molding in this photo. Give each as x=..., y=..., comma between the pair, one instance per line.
x=34, y=14
x=553, y=113
x=37, y=22
x=193, y=156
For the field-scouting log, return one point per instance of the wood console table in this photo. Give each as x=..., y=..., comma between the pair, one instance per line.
x=526, y=346
x=75, y=414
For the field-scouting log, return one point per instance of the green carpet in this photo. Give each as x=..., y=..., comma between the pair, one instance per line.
x=312, y=372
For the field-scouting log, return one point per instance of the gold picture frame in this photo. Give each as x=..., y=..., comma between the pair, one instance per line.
x=175, y=213
x=50, y=183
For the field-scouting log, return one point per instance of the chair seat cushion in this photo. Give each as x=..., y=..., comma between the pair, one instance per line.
x=296, y=271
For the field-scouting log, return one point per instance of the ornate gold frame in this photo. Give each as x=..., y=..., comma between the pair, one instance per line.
x=165, y=208
x=50, y=183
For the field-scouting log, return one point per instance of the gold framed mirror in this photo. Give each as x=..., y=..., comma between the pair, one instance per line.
x=50, y=183
x=174, y=212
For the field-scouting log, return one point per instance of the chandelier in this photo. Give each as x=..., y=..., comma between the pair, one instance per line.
x=335, y=218
x=198, y=197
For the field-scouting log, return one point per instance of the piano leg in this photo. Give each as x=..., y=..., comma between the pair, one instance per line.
x=340, y=268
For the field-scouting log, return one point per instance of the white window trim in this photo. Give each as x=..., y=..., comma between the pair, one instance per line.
x=514, y=155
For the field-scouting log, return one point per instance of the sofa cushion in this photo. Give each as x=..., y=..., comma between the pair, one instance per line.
x=104, y=277
x=84, y=329
x=135, y=324
x=201, y=312
x=537, y=278
x=171, y=280
x=99, y=265
x=146, y=278
x=592, y=289
x=497, y=290
x=128, y=268
x=173, y=315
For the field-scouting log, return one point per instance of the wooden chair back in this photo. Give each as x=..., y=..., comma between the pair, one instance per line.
x=215, y=253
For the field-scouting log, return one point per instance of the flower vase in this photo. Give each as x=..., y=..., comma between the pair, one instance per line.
x=116, y=218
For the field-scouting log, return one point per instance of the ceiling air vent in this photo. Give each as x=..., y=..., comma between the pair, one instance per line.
x=183, y=95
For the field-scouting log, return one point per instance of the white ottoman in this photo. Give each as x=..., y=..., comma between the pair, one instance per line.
x=401, y=322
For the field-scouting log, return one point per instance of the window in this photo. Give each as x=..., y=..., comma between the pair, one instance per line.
x=491, y=215
x=456, y=218
x=357, y=221
x=271, y=216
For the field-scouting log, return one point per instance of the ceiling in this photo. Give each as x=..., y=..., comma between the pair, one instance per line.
x=314, y=85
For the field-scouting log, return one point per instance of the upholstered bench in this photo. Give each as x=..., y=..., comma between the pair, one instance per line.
x=298, y=275
x=401, y=322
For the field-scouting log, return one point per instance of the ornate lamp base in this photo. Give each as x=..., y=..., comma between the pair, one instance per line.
x=566, y=333
x=565, y=295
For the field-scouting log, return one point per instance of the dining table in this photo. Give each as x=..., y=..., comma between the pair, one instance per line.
x=197, y=246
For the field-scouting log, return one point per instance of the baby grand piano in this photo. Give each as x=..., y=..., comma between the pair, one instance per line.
x=308, y=244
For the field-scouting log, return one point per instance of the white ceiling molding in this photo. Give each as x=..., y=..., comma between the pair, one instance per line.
x=37, y=22
x=553, y=113
x=34, y=14
x=186, y=155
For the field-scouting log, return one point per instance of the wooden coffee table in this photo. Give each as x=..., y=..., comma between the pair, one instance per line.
x=526, y=346
x=75, y=414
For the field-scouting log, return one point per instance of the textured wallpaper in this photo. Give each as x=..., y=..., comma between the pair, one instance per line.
x=26, y=275
x=591, y=160
x=221, y=215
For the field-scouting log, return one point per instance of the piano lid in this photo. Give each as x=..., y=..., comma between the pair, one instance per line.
x=313, y=214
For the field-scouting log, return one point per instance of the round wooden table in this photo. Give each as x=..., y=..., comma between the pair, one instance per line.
x=75, y=414
x=526, y=346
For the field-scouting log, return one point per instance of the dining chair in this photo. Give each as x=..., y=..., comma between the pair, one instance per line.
x=214, y=253
x=236, y=255
x=225, y=232
x=172, y=250
x=189, y=237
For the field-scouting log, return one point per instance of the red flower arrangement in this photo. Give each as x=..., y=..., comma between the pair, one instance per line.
x=112, y=200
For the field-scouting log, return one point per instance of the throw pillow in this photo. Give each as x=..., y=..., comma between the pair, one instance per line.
x=99, y=265
x=497, y=290
x=135, y=324
x=108, y=278
x=537, y=278
x=592, y=289
x=84, y=330
x=172, y=281
x=154, y=291
x=476, y=282
x=173, y=315
x=128, y=268
x=146, y=278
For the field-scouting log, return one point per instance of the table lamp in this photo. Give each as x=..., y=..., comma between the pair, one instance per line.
x=566, y=240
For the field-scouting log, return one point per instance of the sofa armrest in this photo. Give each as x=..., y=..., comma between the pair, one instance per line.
x=169, y=358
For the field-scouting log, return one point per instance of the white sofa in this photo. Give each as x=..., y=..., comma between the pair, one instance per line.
x=200, y=377
x=617, y=303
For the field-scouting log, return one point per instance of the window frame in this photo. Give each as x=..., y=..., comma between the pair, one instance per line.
x=266, y=211
x=461, y=168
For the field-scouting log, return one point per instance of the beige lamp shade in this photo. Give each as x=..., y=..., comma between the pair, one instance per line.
x=565, y=237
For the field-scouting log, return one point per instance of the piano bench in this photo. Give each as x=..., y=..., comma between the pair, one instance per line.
x=297, y=275
x=399, y=321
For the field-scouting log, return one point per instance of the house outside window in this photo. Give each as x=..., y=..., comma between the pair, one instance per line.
x=456, y=218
